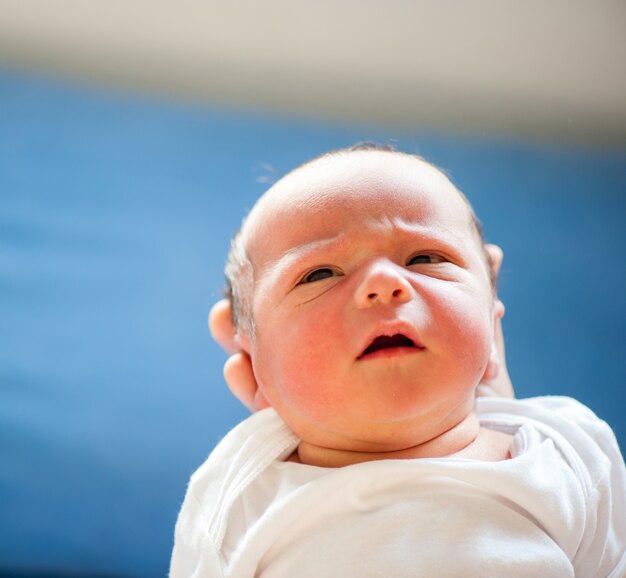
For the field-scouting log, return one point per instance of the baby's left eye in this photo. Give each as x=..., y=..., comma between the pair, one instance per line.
x=428, y=258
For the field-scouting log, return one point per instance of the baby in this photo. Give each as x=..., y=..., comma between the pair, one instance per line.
x=363, y=293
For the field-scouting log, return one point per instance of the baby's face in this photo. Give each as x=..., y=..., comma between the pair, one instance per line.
x=373, y=308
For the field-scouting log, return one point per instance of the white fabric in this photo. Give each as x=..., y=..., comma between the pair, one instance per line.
x=555, y=509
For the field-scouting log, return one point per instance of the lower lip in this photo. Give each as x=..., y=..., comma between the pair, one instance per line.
x=391, y=352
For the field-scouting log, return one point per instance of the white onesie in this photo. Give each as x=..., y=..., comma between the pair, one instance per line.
x=557, y=508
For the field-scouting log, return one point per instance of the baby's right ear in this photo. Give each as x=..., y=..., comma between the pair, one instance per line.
x=242, y=341
x=221, y=326
x=239, y=376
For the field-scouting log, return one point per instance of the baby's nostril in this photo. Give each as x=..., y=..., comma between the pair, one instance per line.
x=397, y=293
x=371, y=296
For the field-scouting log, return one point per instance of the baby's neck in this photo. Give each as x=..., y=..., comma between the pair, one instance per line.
x=465, y=440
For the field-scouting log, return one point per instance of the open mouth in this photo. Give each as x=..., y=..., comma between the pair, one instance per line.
x=389, y=342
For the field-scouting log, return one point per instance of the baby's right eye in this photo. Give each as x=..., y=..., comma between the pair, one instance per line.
x=317, y=275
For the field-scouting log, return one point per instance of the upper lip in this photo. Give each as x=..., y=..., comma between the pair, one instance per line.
x=391, y=329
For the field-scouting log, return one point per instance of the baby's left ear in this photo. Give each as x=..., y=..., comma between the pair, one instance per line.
x=498, y=312
x=495, y=258
x=493, y=365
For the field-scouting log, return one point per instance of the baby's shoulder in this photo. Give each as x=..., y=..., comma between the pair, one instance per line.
x=558, y=412
x=584, y=440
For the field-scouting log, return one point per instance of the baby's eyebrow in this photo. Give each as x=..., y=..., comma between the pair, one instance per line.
x=342, y=241
x=442, y=234
x=294, y=255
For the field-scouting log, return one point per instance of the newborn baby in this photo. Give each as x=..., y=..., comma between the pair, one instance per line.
x=363, y=293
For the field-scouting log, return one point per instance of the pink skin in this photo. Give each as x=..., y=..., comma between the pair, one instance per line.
x=399, y=256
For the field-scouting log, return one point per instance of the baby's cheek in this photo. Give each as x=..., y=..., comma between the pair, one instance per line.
x=463, y=322
x=296, y=373
x=462, y=306
x=311, y=385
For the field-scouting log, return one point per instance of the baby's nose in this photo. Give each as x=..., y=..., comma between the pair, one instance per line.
x=383, y=283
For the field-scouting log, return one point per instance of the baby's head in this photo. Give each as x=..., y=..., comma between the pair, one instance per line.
x=362, y=290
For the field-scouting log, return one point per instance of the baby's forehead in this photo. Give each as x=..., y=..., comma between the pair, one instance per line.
x=348, y=178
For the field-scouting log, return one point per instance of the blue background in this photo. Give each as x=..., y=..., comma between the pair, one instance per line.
x=115, y=217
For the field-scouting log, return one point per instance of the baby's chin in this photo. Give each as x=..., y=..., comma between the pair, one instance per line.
x=401, y=441
x=447, y=443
